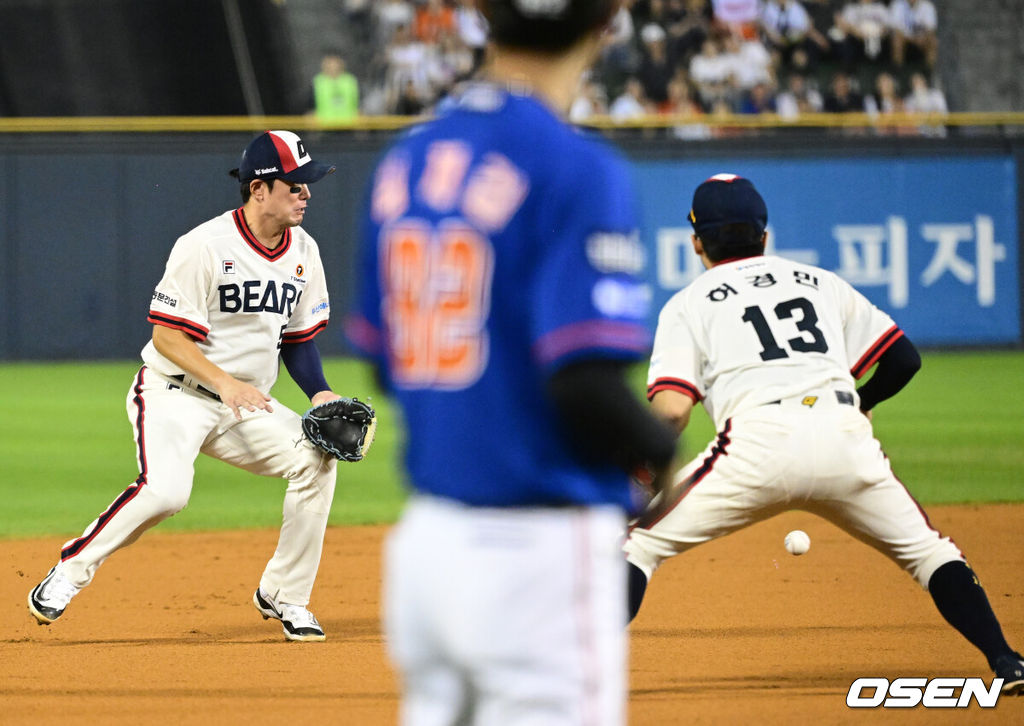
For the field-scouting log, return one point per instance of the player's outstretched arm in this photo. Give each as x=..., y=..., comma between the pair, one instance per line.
x=894, y=370
x=306, y=368
x=672, y=407
x=606, y=420
x=180, y=349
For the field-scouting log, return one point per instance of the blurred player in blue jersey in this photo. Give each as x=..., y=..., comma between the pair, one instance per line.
x=502, y=304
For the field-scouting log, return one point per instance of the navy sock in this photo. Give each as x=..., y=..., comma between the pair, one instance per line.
x=637, y=587
x=962, y=601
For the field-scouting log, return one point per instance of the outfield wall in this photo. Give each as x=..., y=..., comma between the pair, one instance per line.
x=930, y=230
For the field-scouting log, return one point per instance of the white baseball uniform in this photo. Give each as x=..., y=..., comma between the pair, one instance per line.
x=238, y=300
x=772, y=348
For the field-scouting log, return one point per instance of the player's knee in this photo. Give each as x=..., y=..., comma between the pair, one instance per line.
x=313, y=479
x=641, y=557
x=166, y=502
x=313, y=468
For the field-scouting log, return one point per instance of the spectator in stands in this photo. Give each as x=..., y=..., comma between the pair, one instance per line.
x=448, y=62
x=335, y=91
x=656, y=67
x=681, y=102
x=630, y=104
x=410, y=101
x=685, y=21
x=914, y=31
x=757, y=100
x=799, y=98
x=925, y=99
x=710, y=73
x=392, y=14
x=406, y=62
x=690, y=28
x=861, y=31
x=749, y=62
x=788, y=28
x=842, y=98
x=590, y=101
x=620, y=56
x=472, y=29
x=885, y=101
x=433, y=19
x=655, y=11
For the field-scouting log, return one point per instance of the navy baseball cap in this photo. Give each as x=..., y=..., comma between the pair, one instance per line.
x=727, y=199
x=279, y=155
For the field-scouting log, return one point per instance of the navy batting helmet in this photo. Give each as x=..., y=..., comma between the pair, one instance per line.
x=546, y=25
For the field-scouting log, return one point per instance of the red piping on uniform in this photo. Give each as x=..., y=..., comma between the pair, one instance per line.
x=583, y=606
x=128, y=494
x=889, y=337
x=674, y=384
x=272, y=255
x=684, y=487
x=590, y=334
x=301, y=336
x=169, y=321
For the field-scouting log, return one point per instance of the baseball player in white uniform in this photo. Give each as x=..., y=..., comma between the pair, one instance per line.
x=239, y=292
x=772, y=349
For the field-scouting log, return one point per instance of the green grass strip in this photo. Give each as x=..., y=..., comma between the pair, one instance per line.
x=956, y=434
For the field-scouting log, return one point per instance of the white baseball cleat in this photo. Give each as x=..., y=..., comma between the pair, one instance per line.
x=299, y=623
x=50, y=597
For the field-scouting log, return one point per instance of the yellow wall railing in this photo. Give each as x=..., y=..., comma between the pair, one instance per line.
x=114, y=124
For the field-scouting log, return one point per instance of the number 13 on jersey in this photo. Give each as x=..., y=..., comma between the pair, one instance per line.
x=436, y=300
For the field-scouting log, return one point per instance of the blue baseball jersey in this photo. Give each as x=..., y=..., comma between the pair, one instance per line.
x=499, y=245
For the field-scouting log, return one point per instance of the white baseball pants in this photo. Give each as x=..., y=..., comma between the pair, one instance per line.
x=822, y=459
x=173, y=424
x=507, y=617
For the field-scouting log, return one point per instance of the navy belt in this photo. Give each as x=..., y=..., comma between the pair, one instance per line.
x=197, y=388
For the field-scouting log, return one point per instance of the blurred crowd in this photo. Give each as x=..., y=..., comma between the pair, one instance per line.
x=681, y=57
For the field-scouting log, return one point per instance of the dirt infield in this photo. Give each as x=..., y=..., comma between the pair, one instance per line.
x=736, y=631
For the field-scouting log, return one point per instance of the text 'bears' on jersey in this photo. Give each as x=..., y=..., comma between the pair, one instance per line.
x=259, y=296
x=436, y=299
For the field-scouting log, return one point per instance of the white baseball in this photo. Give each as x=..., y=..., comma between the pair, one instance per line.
x=797, y=542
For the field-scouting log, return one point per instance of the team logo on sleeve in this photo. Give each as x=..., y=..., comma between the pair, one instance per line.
x=617, y=298
x=229, y=267
x=167, y=300
x=616, y=252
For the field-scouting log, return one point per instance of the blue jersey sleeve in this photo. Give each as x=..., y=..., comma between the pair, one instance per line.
x=588, y=297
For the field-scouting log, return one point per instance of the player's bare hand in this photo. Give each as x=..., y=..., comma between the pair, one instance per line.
x=323, y=397
x=237, y=395
x=869, y=414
